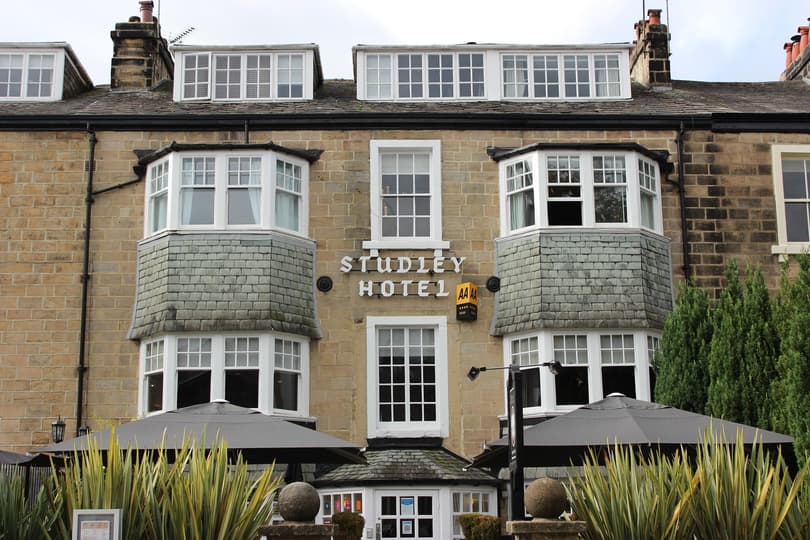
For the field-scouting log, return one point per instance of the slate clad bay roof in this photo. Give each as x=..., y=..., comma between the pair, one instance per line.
x=335, y=106
x=409, y=465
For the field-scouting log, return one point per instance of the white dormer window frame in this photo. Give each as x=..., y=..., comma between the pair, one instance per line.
x=253, y=75
x=478, y=73
x=564, y=75
x=31, y=74
x=234, y=190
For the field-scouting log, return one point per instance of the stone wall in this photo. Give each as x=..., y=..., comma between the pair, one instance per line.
x=42, y=191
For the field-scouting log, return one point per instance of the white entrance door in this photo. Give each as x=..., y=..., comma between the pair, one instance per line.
x=408, y=514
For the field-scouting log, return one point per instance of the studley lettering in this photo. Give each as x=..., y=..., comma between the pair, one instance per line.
x=402, y=265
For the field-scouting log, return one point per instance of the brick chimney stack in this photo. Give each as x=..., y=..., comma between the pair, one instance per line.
x=649, y=60
x=141, y=57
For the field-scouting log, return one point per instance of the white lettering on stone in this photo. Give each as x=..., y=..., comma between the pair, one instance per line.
x=384, y=269
x=441, y=292
x=421, y=288
x=457, y=261
x=346, y=264
x=405, y=283
x=438, y=264
x=403, y=265
x=366, y=287
x=387, y=288
x=422, y=268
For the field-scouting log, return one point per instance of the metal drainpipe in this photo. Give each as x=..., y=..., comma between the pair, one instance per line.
x=687, y=263
x=88, y=205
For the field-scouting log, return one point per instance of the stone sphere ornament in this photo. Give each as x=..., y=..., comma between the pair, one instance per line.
x=546, y=498
x=299, y=501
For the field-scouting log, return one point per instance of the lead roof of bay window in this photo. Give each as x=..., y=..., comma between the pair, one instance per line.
x=492, y=72
x=246, y=73
x=660, y=156
x=145, y=157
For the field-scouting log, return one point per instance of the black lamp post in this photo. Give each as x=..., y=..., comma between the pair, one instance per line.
x=514, y=389
x=58, y=430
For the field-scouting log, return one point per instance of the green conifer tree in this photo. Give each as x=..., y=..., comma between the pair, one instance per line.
x=792, y=409
x=758, y=369
x=727, y=350
x=682, y=371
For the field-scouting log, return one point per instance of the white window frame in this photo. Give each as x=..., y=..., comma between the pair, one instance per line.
x=778, y=153
x=391, y=80
x=545, y=338
x=437, y=428
x=266, y=370
x=307, y=74
x=57, y=77
x=492, y=504
x=268, y=186
x=538, y=161
x=623, y=71
x=433, y=241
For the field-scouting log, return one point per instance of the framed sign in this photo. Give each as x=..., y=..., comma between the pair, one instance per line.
x=100, y=524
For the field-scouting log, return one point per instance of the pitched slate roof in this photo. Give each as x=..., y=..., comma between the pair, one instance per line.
x=406, y=465
x=335, y=106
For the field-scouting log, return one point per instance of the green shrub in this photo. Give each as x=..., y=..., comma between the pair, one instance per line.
x=480, y=526
x=350, y=525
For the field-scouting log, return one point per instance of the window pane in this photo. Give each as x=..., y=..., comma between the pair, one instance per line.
x=572, y=386
x=193, y=387
x=285, y=390
x=197, y=206
x=242, y=387
x=154, y=392
x=794, y=178
x=515, y=76
x=546, y=77
x=621, y=379
x=244, y=206
x=796, y=216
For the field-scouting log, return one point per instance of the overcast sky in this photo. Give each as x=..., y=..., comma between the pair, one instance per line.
x=712, y=40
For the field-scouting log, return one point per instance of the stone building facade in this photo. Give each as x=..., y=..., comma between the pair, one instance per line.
x=163, y=246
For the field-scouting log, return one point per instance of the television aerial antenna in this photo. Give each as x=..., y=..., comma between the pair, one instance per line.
x=181, y=36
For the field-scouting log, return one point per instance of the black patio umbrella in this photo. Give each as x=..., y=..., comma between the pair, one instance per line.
x=258, y=437
x=617, y=419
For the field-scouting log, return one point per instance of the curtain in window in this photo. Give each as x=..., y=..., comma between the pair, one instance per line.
x=287, y=210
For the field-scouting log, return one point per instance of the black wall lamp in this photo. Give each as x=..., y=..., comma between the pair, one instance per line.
x=58, y=430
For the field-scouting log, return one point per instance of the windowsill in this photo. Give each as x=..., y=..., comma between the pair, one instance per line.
x=790, y=249
x=410, y=432
x=529, y=231
x=412, y=244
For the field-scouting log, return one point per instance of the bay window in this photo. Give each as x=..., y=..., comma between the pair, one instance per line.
x=594, y=364
x=545, y=186
x=261, y=371
x=227, y=190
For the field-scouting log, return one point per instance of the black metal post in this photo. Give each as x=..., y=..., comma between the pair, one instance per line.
x=517, y=509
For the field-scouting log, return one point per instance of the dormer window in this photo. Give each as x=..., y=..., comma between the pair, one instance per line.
x=492, y=72
x=261, y=74
x=39, y=72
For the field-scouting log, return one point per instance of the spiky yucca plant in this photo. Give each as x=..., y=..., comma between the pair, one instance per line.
x=722, y=492
x=189, y=493
x=21, y=519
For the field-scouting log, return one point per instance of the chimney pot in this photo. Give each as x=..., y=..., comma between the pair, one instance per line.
x=795, y=48
x=146, y=10
x=654, y=15
x=803, y=32
x=788, y=47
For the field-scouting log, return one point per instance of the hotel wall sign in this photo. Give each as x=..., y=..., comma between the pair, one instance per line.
x=392, y=284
